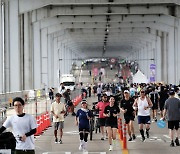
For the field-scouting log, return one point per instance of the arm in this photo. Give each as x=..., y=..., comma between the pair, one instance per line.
x=135, y=105
x=2, y=129
x=149, y=103
x=164, y=114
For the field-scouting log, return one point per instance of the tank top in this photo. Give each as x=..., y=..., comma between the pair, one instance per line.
x=141, y=105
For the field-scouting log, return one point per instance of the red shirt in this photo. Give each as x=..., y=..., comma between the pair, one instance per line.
x=101, y=106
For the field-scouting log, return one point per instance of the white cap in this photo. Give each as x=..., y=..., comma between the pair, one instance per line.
x=126, y=91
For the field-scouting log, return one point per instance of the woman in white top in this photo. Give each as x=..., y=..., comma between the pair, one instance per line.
x=143, y=104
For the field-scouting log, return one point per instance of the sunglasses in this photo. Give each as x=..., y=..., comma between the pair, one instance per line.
x=142, y=91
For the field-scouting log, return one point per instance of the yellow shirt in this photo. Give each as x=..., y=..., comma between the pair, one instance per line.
x=57, y=108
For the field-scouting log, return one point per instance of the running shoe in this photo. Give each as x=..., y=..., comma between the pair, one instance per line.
x=133, y=136
x=73, y=114
x=60, y=141
x=172, y=144
x=130, y=139
x=56, y=140
x=143, y=138
x=102, y=138
x=81, y=146
x=110, y=148
x=177, y=142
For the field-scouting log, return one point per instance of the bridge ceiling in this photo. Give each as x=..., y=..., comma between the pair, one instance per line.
x=103, y=27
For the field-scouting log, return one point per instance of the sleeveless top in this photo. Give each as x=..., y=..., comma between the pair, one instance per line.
x=141, y=105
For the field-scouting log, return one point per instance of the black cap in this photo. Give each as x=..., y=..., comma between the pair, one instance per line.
x=58, y=95
x=171, y=92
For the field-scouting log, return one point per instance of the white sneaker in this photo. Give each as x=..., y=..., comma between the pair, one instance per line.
x=81, y=146
x=85, y=147
x=110, y=148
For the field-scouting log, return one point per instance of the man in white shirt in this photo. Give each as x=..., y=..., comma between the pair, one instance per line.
x=23, y=126
x=58, y=110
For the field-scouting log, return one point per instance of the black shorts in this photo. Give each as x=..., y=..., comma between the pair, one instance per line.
x=173, y=125
x=128, y=119
x=155, y=106
x=102, y=121
x=83, y=129
x=112, y=125
x=144, y=119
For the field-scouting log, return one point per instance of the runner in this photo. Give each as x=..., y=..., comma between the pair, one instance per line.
x=143, y=104
x=82, y=118
x=111, y=112
x=172, y=108
x=101, y=106
x=129, y=114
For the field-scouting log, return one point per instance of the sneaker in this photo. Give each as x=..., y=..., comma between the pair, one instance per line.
x=73, y=114
x=81, y=147
x=102, y=138
x=134, y=136
x=130, y=139
x=56, y=140
x=172, y=144
x=110, y=148
x=177, y=142
x=60, y=141
x=143, y=139
x=155, y=119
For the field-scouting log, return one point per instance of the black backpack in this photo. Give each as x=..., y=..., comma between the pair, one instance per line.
x=7, y=141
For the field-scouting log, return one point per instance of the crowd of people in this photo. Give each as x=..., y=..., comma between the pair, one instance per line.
x=144, y=101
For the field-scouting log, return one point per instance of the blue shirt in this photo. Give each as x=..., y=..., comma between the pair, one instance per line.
x=83, y=120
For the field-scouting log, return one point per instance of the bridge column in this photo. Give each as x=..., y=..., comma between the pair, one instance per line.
x=15, y=72
x=37, y=56
x=164, y=56
x=158, y=58
x=27, y=77
x=1, y=52
x=44, y=56
x=171, y=57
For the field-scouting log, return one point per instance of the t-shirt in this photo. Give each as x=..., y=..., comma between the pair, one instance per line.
x=57, y=108
x=172, y=105
x=128, y=104
x=154, y=97
x=101, y=106
x=21, y=126
x=111, y=110
x=83, y=120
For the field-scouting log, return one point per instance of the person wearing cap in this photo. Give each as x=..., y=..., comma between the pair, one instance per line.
x=129, y=113
x=58, y=110
x=172, y=109
x=143, y=104
x=101, y=106
x=82, y=118
x=23, y=127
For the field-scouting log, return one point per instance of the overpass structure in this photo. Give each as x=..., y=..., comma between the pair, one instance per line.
x=41, y=39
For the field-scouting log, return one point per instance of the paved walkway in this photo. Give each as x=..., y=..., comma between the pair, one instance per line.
x=157, y=143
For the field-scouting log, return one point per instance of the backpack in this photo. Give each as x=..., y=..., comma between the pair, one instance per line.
x=7, y=141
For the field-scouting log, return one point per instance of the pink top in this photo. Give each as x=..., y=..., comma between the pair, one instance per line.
x=101, y=106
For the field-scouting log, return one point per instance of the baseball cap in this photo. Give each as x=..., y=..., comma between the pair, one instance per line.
x=84, y=101
x=126, y=91
x=58, y=95
x=171, y=92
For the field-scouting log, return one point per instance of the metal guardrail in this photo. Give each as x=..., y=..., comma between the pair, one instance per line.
x=3, y=115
